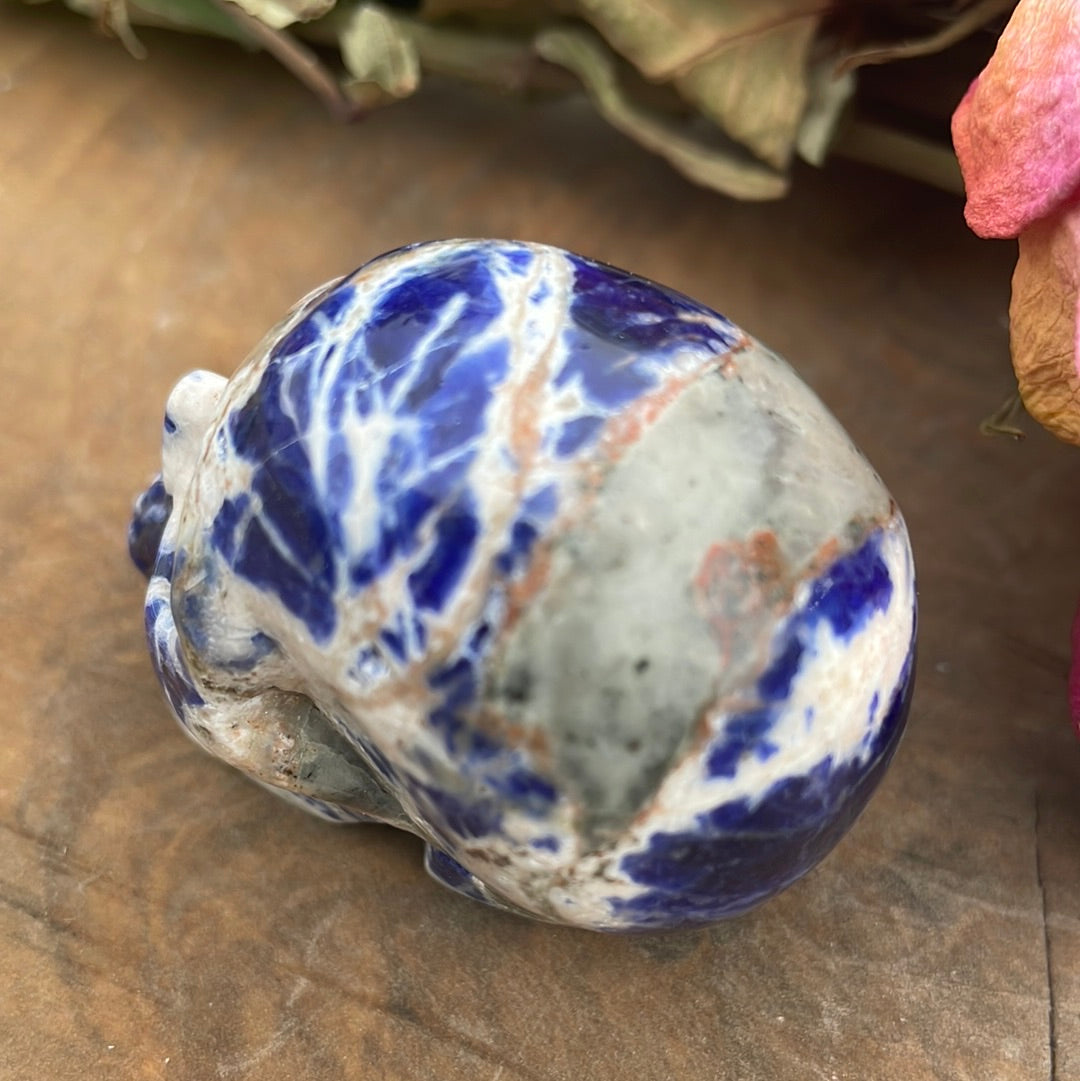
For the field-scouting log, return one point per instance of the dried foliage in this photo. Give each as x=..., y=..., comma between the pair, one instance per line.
x=730, y=92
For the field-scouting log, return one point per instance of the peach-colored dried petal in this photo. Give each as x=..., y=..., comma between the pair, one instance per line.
x=1017, y=130
x=1043, y=322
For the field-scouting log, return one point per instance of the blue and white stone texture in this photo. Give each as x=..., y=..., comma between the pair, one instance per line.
x=546, y=563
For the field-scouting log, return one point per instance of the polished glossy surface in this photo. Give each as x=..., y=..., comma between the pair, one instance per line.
x=545, y=562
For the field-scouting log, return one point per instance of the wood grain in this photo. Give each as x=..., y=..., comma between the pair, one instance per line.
x=160, y=917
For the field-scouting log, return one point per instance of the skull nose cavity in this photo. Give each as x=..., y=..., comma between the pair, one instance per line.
x=188, y=416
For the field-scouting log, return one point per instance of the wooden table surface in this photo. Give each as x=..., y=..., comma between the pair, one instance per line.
x=161, y=917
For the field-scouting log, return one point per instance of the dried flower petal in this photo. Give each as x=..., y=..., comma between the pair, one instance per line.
x=1043, y=321
x=1017, y=130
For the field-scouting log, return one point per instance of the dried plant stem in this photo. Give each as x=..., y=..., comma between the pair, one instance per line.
x=910, y=156
x=113, y=19
x=961, y=26
x=1000, y=421
x=295, y=57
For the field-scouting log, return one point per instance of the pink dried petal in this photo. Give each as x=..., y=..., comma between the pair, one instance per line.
x=1017, y=130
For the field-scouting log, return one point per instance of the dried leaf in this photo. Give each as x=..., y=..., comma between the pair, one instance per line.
x=828, y=97
x=379, y=54
x=714, y=164
x=1044, y=319
x=282, y=13
x=667, y=38
x=200, y=16
x=194, y=16
x=756, y=88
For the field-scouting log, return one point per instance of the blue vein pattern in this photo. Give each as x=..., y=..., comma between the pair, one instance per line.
x=429, y=360
x=424, y=359
x=366, y=435
x=745, y=850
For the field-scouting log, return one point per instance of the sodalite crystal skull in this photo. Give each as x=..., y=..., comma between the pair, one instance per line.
x=546, y=563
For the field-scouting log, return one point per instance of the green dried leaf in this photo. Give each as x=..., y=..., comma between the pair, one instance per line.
x=725, y=90
x=664, y=39
x=828, y=98
x=198, y=16
x=713, y=163
x=192, y=16
x=756, y=88
x=503, y=59
x=380, y=56
x=282, y=13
